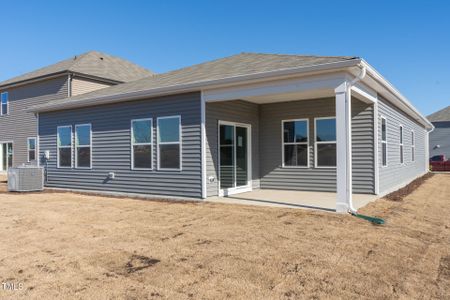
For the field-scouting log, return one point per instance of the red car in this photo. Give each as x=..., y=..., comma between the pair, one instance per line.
x=439, y=163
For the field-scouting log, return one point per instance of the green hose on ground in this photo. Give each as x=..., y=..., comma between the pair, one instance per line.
x=374, y=220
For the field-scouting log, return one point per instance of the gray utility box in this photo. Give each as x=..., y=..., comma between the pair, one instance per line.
x=25, y=179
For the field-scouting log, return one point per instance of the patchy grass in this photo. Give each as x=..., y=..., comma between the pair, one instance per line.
x=64, y=245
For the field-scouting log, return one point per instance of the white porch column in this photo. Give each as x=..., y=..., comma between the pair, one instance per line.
x=343, y=148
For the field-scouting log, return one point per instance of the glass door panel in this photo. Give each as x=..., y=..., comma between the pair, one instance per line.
x=234, y=158
x=241, y=157
x=10, y=155
x=227, y=166
x=4, y=157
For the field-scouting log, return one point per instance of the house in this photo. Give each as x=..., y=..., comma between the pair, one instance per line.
x=74, y=76
x=249, y=121
x=440, y=136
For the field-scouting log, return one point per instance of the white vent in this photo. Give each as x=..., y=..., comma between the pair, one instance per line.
x=25, y=179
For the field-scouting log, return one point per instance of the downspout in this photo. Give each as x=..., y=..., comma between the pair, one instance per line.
x=361, y=75
x=69, y=85
x=427, y=151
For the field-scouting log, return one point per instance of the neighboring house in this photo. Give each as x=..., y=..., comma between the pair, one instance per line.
x=80, y=74
x=239, y=123
x=440, y=136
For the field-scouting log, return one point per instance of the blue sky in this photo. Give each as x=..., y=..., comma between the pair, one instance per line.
x=407, y=41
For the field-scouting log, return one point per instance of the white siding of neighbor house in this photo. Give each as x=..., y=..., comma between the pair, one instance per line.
x=395, y=174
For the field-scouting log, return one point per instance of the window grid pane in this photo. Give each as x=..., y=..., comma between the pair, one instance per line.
x=169, y=130
x=64, y=136
x=325, y=130
x=64, y=143
x=169, y=143
x=4, y=103
x=142, y=143
x=295, y=143
x=83, y=135
x=325, y=141
x=31, y=144
x=142, y=131
x=384, y=153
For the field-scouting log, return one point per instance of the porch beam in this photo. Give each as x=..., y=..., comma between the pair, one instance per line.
x=343, y=148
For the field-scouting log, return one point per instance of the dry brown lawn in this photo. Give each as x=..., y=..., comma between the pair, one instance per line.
x=64, y=245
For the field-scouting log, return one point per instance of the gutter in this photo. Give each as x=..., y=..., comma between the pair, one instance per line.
x=56, y=75
x=193, y=86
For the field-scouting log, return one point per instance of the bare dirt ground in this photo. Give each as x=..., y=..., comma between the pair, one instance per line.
x=70, y=246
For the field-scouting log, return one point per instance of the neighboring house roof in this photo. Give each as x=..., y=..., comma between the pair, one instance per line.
x=440, y=116
x=92, y=63
x=228, y=67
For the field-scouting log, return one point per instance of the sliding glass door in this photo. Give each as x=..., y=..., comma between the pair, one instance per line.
x=234, y=158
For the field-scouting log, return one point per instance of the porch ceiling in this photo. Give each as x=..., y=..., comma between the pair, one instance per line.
x=292, y=199
x=284, y=97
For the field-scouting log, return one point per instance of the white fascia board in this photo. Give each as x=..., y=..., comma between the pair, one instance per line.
x=281, y=86
x=397, y=98
x=196, y=86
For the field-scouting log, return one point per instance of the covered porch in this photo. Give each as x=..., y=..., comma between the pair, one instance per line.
x=254, y=153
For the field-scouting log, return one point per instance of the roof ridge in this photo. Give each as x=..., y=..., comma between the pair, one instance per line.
x=77, y=58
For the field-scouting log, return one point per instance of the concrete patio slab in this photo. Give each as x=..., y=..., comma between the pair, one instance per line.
x=292, y=199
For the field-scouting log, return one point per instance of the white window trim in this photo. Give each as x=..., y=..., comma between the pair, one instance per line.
x=401, y=143
x=384, y=142
x=28, y=149
x=141, y=144
x=322, y=142
x=169, y=143
x=413, y=146
x=7, y=104
x=295, y=143
x=83, y=146
x=58, y=147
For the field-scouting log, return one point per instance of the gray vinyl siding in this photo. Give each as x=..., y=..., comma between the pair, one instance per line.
x=440, y=136
x=274, y=176
x=111, y=149
x=232, y=111
x=19, y=124
x=395, y=174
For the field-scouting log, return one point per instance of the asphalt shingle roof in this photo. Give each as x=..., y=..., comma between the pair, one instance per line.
x=232, y=66
x=440, y=116
x=91, y=63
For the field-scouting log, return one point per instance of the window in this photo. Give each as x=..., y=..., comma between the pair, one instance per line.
x=325, y=142
x=64, y=155
x=4, y=98
x=141, y=143
x=31, y=148
x=383, y=142
x=83, y=145
x=413, y=146
x=295, y=143
x=169, y=140
x=401, y=144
